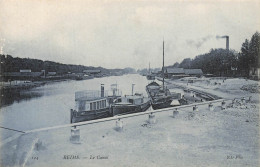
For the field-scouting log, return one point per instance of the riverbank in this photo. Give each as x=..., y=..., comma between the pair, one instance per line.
x=24, y=85
x=228, y=137
x=18, y=91
x=222, y=87
x=18, y=85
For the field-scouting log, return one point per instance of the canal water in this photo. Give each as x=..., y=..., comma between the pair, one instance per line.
x=50, y=105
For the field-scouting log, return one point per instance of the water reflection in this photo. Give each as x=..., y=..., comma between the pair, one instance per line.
x=8, y=98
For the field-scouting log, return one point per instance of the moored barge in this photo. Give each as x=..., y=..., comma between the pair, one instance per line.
x=130, y=104
x=93, y=104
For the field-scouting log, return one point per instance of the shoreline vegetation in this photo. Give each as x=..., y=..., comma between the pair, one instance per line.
x=25, y=73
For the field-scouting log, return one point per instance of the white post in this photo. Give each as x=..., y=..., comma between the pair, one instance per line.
x=195, y=108
x=151, y=118
x=119, y=125
x=75, y=135
x=175, y=113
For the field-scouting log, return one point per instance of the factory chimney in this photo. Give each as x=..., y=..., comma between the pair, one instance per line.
x=227, y=40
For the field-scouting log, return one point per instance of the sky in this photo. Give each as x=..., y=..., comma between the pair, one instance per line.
x=119, y=34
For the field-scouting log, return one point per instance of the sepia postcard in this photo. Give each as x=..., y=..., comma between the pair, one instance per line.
x=129, y=83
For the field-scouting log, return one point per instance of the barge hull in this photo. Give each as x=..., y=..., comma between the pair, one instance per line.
x=120, y=110
x=89, y=115
x=160, y=105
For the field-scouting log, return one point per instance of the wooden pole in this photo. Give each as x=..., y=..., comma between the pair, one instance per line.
x=163, y=65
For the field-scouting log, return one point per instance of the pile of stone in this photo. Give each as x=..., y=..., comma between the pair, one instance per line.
x=241, y=104
x=252, y=88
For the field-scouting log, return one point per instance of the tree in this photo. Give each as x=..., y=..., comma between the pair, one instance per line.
x=217, y=61
x=249, y=55
x=176, y=65
x=254, y=48
x=10, y=64
x=185, y=63
x=244, y=58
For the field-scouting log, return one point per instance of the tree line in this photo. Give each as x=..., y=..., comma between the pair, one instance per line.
x=222, y=62
x=14, y=64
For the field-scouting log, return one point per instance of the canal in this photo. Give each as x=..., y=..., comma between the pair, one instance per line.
x=50, y=105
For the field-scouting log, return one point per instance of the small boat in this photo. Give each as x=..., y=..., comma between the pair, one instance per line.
x=160, y=96
x=93, y=104
x=130, y=104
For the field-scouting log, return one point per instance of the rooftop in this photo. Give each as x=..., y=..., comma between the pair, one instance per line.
x=175, y=70
x=193, y=71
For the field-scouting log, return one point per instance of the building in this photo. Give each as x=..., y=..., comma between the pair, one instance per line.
x=193, y=72
x=91, y=71
x=173, y=72
x=176, y=73
x=21, y=75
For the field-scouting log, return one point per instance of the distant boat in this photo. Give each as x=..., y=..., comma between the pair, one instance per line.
x=93, y=104
x=150, y=76
x=130, y=104
x=160, y=96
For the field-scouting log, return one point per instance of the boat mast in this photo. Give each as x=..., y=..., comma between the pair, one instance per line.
x=163, y=65
x=149, y=68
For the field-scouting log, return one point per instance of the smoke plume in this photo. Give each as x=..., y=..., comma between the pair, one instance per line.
x=199, y=42
x=218, y=36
